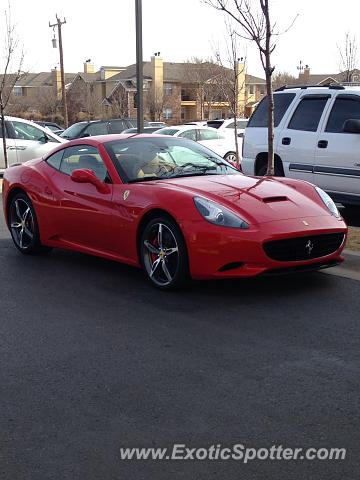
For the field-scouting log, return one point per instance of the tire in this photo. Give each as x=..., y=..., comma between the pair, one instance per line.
x=164, y=254
x=24, y=226
x=263, y=169
x=230, y=157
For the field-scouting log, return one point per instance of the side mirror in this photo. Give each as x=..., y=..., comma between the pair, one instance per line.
x=44, y=139
x=83, y=175
x=351, y=126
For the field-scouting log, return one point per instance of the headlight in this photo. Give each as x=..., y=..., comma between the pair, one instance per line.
x=218, y=215
x=329, y=202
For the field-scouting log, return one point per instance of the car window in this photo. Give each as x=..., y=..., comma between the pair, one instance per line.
x=98, y=128
x=140, y=159
x=55, y=159
x=207, y=135
x=117, y=126
x=308, y=113
x=346, y=107
x=74, y=131
x=83, y=156
x=215, y=123
x=24, y=131
x=282, y=102
x=167, y=131
x=191, y=134
x=239, y=124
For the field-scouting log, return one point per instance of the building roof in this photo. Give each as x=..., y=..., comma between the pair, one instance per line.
x=41, y=79
x=318, y=78
x=181, y=72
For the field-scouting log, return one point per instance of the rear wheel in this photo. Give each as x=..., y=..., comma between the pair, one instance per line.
x=24, y=227
x=163, y=254
x=263, y=169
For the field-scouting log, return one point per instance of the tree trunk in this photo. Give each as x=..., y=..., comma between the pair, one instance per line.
x=3, y=131
x=269, y=91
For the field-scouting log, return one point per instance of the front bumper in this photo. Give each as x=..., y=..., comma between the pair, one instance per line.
x=217, y=252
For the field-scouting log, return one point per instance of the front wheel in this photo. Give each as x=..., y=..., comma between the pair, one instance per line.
x=24, y=227
x=163, y=254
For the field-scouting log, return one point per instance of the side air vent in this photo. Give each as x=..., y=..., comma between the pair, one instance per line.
x=274, y=199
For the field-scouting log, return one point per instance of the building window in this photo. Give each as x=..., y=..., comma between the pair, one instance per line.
x=135, y=100
x=167, y=113
x=183, y=114
x=252, y=89
x=168, y=88
x=262, y=90
x=17, y=91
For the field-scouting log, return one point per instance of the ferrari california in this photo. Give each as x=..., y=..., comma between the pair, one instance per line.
x=170, y=206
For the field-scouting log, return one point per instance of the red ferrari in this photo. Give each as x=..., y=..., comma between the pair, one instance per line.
x=171, y=206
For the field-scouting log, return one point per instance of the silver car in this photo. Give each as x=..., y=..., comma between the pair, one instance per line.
x=25, y=140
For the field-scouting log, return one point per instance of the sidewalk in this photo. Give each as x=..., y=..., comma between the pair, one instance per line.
x=348, y=269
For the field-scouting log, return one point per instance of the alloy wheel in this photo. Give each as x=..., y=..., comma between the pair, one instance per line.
x=161, y=254
x=22, y=223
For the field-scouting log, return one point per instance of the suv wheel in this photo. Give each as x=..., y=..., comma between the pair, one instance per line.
x=263, y=169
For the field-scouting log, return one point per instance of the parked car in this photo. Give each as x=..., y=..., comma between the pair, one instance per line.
x=227, y=126
x=157, y=124
x=52, y=126
x=99, y=127
x=25, y=140
x=209, y=137
x=317, y=138
x=200, y=123
x=196, y=217
x=146, y=130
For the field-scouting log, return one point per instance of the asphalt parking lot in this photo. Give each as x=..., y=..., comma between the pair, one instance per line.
x=93, y=359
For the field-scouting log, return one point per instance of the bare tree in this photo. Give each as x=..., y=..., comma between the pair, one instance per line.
x=155, y=102
x=199, y=75
x=283, y=78
x=231, y=81
x=120, y=102
x=253, y=18
x=348, y=56
x=8, y=79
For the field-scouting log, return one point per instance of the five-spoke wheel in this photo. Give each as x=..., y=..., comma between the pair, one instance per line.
x=163, y=253
x=23, y=225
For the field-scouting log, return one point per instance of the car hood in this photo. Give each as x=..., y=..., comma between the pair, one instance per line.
x=257, y=199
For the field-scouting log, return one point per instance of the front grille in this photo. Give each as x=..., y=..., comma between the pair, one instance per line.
x=303, y=248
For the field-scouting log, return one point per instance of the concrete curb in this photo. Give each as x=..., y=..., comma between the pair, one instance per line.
x=349, y=269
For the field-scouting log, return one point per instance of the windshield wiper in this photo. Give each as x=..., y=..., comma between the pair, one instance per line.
x=192, y=169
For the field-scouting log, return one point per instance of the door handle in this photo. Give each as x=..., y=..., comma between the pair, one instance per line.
x=322, y=143
x=286, y=141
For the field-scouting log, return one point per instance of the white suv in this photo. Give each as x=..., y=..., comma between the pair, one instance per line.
x=26, y=140
x=317, y=138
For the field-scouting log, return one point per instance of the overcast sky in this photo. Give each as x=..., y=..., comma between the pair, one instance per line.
x=105, y=32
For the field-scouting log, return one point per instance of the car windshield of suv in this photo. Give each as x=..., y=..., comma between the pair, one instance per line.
x=73, y=131
x=142, y=159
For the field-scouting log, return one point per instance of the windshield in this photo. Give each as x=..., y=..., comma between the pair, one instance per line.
x=73, y=131
x=141, y=159
x=167, y=131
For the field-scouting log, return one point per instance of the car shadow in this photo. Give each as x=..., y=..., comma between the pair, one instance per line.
x=99, y=277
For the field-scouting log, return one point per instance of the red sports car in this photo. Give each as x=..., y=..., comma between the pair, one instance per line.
x=171, y=206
